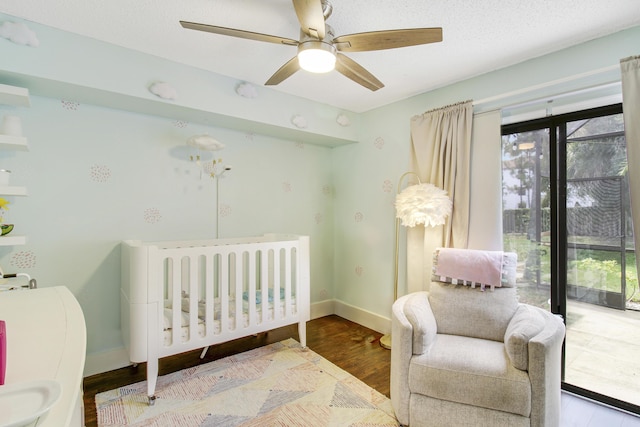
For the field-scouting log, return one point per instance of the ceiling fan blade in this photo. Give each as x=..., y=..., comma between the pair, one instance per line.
x=311, y=17
x=388, y=39
x=286, y=71
x=357, y=73
x=238, y=33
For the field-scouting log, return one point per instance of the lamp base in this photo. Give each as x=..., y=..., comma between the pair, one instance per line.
x=385, y=341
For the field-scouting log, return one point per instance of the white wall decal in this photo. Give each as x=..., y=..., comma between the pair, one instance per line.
x=299, y=121
x=343, y=120
x=247, y=90
x=163, y=90
x=19, y=33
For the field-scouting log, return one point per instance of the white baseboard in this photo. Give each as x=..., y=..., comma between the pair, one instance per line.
x=363, y=317
x=322, y=308
x=97, y=363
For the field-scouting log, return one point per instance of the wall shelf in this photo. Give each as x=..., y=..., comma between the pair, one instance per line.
x=17, y=143
x=19, y=97
x=13, y=191
x=10, y=240
x=13, y=95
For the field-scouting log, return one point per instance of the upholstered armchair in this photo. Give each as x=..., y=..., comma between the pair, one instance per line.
x=468, y=353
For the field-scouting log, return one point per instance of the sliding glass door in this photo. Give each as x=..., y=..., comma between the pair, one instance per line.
x=566, y=214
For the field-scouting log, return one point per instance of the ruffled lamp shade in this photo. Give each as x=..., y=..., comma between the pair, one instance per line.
x=423, y=204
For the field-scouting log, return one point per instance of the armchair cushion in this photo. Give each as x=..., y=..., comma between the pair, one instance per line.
x=526, y=323
x=471, y=371
x=465, y=311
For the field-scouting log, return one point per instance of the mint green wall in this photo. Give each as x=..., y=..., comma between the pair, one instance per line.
x=365, y=249
x=108, y=162
x=96, y=176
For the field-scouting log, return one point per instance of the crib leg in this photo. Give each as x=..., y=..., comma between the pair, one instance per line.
x=152, y=379
x=204, y=352
x=302, y=333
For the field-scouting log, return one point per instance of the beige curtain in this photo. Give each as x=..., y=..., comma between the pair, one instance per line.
x=440, y=155
x=630, y=68
x=485, y=224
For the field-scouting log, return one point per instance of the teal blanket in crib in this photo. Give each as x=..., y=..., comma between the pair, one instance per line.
x=245, y=295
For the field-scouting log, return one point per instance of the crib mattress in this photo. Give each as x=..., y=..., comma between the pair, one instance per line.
x=185, y=329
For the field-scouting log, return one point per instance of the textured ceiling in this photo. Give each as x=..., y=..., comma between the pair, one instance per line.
x=479, y=36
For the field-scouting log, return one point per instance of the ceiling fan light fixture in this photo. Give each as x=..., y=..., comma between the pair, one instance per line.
x=316, y=56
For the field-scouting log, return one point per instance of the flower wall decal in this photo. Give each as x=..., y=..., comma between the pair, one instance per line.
x=378, y=143
x=23, y=259
x=100, y=173
x=69, y=105
x=225, y=210
x=152, y=215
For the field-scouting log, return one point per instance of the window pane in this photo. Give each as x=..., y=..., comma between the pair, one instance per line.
x=526, y=221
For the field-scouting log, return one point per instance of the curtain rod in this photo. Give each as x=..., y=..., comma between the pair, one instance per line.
x=545, y=85
x=455, y=104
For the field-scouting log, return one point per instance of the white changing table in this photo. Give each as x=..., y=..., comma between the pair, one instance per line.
x=47, y=340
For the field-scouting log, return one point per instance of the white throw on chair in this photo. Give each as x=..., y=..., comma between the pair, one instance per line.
x=469, y=355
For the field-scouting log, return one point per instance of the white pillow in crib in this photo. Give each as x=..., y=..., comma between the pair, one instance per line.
x=168, y=318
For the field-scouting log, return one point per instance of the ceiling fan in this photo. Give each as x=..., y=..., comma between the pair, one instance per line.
x=320, y=51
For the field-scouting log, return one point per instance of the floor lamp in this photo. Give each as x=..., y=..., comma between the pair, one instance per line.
x=417, y=204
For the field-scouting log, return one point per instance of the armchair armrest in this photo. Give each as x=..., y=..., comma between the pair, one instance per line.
x=545, y=364
x=413, y=330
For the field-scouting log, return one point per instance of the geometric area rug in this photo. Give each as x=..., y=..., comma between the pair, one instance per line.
x=279, y=384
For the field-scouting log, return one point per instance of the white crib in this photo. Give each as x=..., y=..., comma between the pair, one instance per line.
x=183, y=295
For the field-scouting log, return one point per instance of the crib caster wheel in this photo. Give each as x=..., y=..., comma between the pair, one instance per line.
x=152, y=400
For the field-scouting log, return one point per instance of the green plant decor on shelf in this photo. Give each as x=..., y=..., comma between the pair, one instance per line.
x=4, y=228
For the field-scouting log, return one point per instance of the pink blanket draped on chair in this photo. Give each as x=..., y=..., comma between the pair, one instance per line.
x=468, y=265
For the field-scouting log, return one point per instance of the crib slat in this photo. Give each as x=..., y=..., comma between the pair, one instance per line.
x=193, y=297
x=176, y=302
x=239, y=276
x=287, y=283
x=264, y=284
x=209, y=294
x=224, y=292
x=276, y=284
x=251, y=300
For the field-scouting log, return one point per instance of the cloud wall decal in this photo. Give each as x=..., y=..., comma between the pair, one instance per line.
x=163, y=90
x=19, y=33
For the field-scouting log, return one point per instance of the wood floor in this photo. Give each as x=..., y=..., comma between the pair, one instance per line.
x=350, y=346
